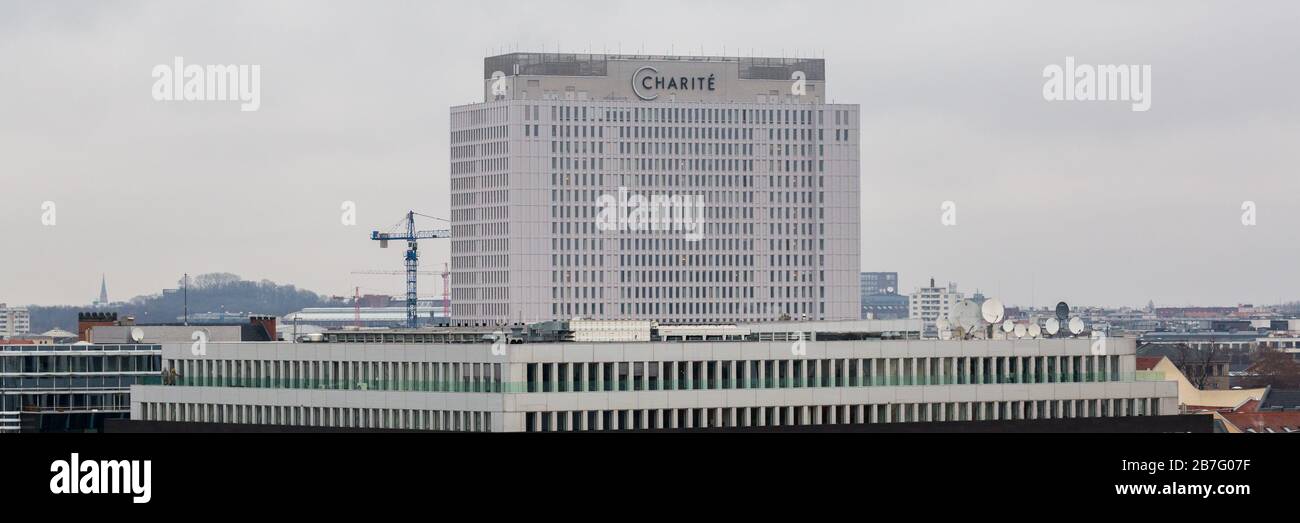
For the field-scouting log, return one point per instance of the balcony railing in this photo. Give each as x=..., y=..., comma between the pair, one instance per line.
x=643, y=383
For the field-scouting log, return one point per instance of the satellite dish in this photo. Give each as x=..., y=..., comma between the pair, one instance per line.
x=1076, y=325
x=1008, y=326
x=968, y=315
x=1034, y=330
x=137, y=335
x=889, y=290
x=1020, y=330
x=1053, y=326
x=944, y=328
x=1062, y=311
x=992, y=310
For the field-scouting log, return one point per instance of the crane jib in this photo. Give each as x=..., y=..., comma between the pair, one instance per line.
x=412, y=256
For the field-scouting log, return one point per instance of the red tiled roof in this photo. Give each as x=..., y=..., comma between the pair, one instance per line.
x=1250, y=405
x=1148, y=362
x=1281, y=422
x=1206, y=408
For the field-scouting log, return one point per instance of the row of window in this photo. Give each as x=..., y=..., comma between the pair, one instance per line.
x=646, y=375
x=78, y=362
x=798, y=373
x=726, y=417
x=339, y=417
x=337, y=375
x=119, y=401
x=76, y=382
x=582, y=113
x=642, y=419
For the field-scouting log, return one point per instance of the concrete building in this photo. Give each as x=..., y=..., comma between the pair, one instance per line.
x=875, y=283
x=880, y=298
x=929, y=304
x=789, y=378
x=680, y=189
x=14, y=321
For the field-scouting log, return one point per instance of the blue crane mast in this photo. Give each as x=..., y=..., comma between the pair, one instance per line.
x=405, y=230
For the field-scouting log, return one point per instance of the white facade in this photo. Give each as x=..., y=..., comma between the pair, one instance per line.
x=644, y=385
x=14, y=321
x=533, y=169
x=932, y=303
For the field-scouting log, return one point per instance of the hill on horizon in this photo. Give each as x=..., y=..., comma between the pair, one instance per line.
x=213, y=292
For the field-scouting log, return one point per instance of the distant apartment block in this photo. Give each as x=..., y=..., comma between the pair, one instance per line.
x=14, y=321
x=929, y=304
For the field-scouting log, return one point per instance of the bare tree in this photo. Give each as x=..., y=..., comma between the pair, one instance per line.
x=1273, y=368
x=1197, y=363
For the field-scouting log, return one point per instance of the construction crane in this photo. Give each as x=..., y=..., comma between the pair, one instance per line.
x=405, y=230
x=395, y=273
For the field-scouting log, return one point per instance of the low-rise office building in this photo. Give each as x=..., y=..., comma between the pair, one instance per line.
x=505, y=387
x=70, y=387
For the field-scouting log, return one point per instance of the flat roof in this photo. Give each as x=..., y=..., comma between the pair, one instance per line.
x=595, y=64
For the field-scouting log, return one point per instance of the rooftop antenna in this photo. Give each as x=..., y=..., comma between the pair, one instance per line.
x=1076, y=325
x=993, y=312
x=185, y=296
x=967, y=317
x=1052, y=326
x=1062, y=311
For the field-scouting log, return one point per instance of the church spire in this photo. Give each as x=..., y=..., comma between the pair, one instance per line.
x=103, y=290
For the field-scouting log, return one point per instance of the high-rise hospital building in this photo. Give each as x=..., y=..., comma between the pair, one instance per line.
x=682, y=189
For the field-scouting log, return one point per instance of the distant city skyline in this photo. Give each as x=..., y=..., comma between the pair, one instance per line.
x=903, y=289
x=1090, y=203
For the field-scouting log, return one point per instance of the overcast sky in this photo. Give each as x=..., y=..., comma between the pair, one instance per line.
x=1084, y=201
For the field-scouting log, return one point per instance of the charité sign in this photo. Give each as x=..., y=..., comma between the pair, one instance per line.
x=646, y=82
